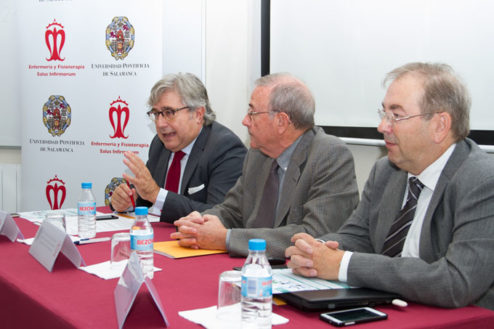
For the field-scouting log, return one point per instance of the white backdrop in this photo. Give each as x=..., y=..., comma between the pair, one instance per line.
x=344, y=48
x=90, y=148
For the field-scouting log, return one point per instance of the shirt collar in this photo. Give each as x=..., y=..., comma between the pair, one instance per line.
x=430, y=175
x=284, y=158
x=189, y=147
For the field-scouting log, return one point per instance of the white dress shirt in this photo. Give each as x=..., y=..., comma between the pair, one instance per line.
x=429, y=177
x=160, y=199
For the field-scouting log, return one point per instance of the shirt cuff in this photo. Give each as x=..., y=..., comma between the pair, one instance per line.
x=227, y=242
x=160, y=201
x=345, y=261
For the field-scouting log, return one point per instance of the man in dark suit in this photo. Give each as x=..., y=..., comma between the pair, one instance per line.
x=425, y=225
x=193, y=160
x=314, y=177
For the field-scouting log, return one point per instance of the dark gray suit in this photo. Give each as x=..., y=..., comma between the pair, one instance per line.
x=215, y=163
x=319, y=193
x=456, y=264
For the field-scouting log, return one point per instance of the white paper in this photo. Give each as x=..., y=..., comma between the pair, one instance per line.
x=29, y=241
x=128, y=287
x=48, y=243
x=285, y=281
x=206, y=317
x=107, y=271
x=8, y=227
x=109, y=225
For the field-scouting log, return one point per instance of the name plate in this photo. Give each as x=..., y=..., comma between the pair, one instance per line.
x=8, y=227
x=127, y=288
x=49, y=241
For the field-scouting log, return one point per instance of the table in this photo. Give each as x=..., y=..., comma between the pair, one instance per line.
x=32, y=297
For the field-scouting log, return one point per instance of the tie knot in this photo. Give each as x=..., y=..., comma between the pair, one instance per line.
x=178, y=155
x=415, y=186
x=274, y=166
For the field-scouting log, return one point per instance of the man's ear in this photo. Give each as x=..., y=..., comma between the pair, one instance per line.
x=199, y=114
x=441, y=126
x=283, y=120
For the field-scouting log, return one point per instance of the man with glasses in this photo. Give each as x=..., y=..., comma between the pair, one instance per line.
x=424, y=228
x=295, y=177
x=193, y=160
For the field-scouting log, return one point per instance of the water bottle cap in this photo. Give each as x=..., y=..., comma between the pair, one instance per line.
x=87, y=185
x=141, y=211
x=257, y=244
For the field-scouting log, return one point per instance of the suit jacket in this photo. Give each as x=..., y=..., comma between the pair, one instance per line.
x=319, y=192
x=456, y=264
x=213, y=167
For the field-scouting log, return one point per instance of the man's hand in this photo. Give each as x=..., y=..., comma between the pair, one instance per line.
x=142, y=180
x=309, y=257
x=120, y=199
x=196, y=231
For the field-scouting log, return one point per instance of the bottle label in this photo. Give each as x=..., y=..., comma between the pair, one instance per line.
x=255, y=287
x=87, y=208
x=141, y=242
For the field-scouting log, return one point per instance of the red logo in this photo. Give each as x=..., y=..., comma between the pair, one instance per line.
x=119, y=108
x=55, y=39
x=54, y=191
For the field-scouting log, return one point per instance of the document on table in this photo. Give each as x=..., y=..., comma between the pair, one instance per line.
x=285, y=281
x=124, y=221
x=173, y=250
x=107, y=270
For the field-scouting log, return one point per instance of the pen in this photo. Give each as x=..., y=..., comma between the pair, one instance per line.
x=132, y=197
x=86, y=241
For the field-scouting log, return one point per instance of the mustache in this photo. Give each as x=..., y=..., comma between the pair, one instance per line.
x=390, y=139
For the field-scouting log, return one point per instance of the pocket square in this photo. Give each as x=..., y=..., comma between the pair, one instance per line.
x=195, y=189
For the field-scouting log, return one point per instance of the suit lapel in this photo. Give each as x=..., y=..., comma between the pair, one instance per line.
x=292, y=175
x=459, y=155
x=160, y=175
x=195, y=155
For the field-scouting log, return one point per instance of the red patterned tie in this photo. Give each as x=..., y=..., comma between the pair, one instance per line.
x=173, y=176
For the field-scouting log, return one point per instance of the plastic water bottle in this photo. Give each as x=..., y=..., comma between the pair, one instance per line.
x=257, y=293
x=141, y=240
x=86, y=211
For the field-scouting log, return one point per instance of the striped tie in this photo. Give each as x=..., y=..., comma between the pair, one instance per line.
x=393, y=245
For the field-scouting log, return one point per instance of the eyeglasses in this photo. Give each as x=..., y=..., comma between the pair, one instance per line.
x=393, y=118
x=253, y=113
x=168, y=113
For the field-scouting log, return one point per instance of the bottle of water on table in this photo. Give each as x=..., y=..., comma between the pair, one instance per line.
x=141, y=240
x=257, y=294
x=86, y=211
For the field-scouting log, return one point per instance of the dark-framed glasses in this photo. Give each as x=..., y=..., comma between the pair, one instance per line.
x=167, y=112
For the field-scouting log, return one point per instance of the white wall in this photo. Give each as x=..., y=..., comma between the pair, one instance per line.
x=232, y=64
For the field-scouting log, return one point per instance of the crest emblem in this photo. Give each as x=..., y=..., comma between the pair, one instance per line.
x=120, y=36
x=55, y=192
x=56, y=115
x=119, y=108
x=55, y=39
x=115, y=181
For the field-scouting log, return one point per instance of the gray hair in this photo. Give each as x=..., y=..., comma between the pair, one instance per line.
x=443, y=91
x=190, y=89
x=290, y=95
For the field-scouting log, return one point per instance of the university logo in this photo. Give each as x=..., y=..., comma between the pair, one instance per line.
x=55, y=192
x=115, y=181
x=55, y=39
x=56, y=115
x=118, y=109
x=120, y=36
